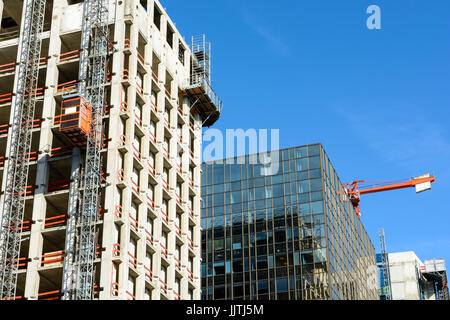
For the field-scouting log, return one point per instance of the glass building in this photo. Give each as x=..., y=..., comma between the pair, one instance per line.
x=279, y=225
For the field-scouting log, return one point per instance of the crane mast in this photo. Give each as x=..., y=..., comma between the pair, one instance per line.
x=20, y=146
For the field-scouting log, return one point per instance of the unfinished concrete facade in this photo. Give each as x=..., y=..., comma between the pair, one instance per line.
x=148, y=236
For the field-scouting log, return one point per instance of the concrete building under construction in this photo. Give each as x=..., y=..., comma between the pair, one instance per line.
x=102, y=104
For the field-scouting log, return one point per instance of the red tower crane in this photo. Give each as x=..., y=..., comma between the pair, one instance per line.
x=356, y=188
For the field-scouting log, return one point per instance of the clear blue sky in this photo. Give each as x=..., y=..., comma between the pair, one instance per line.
x=377, y=100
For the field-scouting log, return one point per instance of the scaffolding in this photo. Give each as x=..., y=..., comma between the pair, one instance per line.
x=20, y=146
x=201, y=95
x=79, y=284
x=385, y=278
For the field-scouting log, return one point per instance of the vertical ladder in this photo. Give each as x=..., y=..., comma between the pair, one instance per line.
x=93, y=65
x=20, y=146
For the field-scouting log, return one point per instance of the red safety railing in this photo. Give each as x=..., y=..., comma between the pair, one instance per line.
x=153, y=107
x=120, y=175
x=8, y=67
x=75, y=54
x=150, y=202
x=164, y=250
x=20, y=263
x=168, y=95
x=164, y=217
x=149, y=236
x=191, y=212
x=154, y=76
x=165, y=184
x=50, y=295
x=116, y=250
x=139, y=89
x=6, y=97
x=166, y=154
x=135, y=187
x=179, y=169
x=163, y=285
x=190, y=182
x=61, y=151
x=67, y=86
x=180, y=111
x=167, y=123
x=118, y=211
x=132, y=259
x=152, y=137
x=148, y=273
x=141, y=58
x=177, y=296
x=125, y=74
x=58, y=185
x=4, y=128
x=178, y=198
x=57, y=256
x=190, y=274
x=151, y=169
x=190, y=243
x=2, y=161
x=178, y=230
x=137, y=154
x=127, y=43
x=27, y=190
x=56, y=221
x=138, y=120
x=177, y=263
x=134, y=223
x=114, y=289
x=130, y=296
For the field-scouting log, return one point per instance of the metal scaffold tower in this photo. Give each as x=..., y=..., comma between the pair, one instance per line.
x=20, y=146
x=79, y=284
x=385, y=286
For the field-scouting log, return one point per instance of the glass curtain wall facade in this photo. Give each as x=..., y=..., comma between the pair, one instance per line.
x=284, y=233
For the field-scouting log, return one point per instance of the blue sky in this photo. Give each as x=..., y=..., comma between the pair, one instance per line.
x=378, y=100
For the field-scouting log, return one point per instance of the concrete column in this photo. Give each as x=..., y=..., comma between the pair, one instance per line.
x=45, y=143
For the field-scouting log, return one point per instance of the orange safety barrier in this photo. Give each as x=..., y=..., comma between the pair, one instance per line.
x=4, y=128
x=137, y=154
x=134, y=223
x=164, y=250
x=190, y=243
x=2, y=161
x=191, y=212
x=138, y=120
x=139, y=89
x=61, y=151
x=57, y=256
x=153, y=106
x=177, y=263
x=118, y=211
x=141, y=58
x=26, y=225
x=123, y=106
x=114, y=289
x=6, y=97
x=54, y=295
x=66, y=86
x=155, y=77
x=57, y=220
x=132, y=260
x=120, y=174
x=18, y=262
x=150, y=237
x=164, y=217
x=150, y=202
x=131, y=296
x=8, y=67
x=29, y=192
x=125, y=74
x=148, y=273
x=165, y=184
x=58, y=185
x=168, y=94
x=70, y=55
x=135, y=187
x=116, y=250
x=190, y=274
x=163, y=285
x=178, y=231
x=151, y=169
